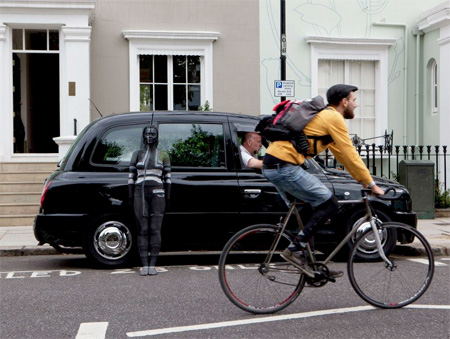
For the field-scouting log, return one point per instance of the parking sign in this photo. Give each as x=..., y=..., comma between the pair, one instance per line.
x=284, y=88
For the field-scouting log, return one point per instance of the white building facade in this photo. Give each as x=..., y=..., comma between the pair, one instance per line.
x=65, y=63
x=54, y=36
x=396, y=52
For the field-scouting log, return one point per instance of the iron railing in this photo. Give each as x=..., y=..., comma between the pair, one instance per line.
x=383, y=160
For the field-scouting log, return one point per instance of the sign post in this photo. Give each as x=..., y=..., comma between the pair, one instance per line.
x=283, y=43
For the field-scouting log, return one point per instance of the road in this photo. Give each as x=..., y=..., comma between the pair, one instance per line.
x=63, y=297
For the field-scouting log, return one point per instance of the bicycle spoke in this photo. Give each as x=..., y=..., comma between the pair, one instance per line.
x=251, y=283
x=399, y=285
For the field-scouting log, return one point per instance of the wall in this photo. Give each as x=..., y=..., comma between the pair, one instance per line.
x=344, y=19
x=236, y=73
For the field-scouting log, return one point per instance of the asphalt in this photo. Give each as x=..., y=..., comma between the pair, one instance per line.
x=20, y=240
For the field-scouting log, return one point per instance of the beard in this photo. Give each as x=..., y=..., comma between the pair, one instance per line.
x=349, y=113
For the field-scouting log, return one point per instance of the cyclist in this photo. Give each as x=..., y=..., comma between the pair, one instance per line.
x=282, y=165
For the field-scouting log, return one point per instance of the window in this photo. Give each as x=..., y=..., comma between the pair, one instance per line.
x=170, y=82
x=241, y=130
x=360, y=74
x=360, y=62
x=35, y=40
x=116, y=146
x=434, y=88
x=186, y=73
x=188, y=145
x=193, y=145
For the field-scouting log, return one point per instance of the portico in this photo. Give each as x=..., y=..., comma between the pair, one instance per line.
x=45, y=82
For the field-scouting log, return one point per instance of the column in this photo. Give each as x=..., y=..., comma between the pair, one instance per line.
x=75, y=79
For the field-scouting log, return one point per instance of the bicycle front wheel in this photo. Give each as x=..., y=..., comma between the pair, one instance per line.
x=253, y=277
x=400, y=282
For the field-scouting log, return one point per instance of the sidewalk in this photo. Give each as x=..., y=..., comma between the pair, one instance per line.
x=19, y=240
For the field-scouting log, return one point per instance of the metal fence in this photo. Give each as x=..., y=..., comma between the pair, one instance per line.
x=383, y=160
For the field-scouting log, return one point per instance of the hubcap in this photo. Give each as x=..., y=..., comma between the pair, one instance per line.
x=368, y=246
x=112, y=240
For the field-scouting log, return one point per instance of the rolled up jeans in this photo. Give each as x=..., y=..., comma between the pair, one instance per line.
x=296, y=181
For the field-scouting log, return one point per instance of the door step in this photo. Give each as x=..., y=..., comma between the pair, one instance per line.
x=21, y=185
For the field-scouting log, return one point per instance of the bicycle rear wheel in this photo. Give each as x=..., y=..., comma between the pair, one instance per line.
x=249, y=280
x=402, y=283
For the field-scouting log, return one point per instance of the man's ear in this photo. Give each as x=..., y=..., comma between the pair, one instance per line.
x=344, y=103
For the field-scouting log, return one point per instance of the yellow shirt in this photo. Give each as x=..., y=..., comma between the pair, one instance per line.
x=327, y=122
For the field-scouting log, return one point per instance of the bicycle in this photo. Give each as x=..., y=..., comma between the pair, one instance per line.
x=256, y=279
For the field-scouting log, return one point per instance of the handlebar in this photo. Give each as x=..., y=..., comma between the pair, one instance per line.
x=386, y=196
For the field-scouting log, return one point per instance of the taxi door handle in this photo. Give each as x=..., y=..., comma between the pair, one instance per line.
x=252, y=193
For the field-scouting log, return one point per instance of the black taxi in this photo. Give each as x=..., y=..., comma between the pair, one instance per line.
x=85, y=202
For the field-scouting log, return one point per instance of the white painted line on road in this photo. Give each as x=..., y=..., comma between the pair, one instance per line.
x=426, y=262
x=267, y=319
x=430, y=307
x=92, y=330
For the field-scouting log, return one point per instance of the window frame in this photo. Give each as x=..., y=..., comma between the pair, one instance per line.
x=170, y=83
x=364, y=49
x=170, y=43
x=358, y=125
x=47, y=31
x=107, y=167
x=123, y=167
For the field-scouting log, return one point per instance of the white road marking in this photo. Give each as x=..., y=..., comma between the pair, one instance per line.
x=92, y=330
x=267, y=319
x=37, y=274
x=425, y=261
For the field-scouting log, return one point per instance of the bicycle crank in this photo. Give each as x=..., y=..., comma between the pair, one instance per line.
x=321, y=276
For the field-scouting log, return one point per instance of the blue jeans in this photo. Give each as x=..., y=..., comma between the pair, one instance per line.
x=299, y=183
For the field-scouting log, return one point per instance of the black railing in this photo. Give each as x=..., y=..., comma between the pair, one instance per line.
x=383, y=160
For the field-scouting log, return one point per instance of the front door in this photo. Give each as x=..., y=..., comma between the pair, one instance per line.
x=35, y=90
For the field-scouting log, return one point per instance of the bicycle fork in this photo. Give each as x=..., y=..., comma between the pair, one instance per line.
x=378, y=242
x=376, y=235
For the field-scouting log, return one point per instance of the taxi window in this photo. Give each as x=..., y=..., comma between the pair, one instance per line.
x=116, y=145
x=193, y=145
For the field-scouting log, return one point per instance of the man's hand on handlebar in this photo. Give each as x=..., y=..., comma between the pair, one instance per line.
x=377, y=190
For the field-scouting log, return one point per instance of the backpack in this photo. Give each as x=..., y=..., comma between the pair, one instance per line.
x=288, y=122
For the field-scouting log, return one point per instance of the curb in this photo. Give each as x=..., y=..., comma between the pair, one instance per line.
x=47, y=250
x=27, y=250
x=442, y=213
x=413, y=251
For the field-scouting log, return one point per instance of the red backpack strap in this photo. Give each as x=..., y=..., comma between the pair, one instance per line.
x=278, y=108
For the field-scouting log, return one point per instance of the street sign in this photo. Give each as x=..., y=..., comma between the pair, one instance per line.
x=284, y=88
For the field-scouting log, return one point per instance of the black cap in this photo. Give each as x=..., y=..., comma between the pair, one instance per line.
x=338, y=92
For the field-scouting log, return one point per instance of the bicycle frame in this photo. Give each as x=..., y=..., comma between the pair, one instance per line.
x=369, y=217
